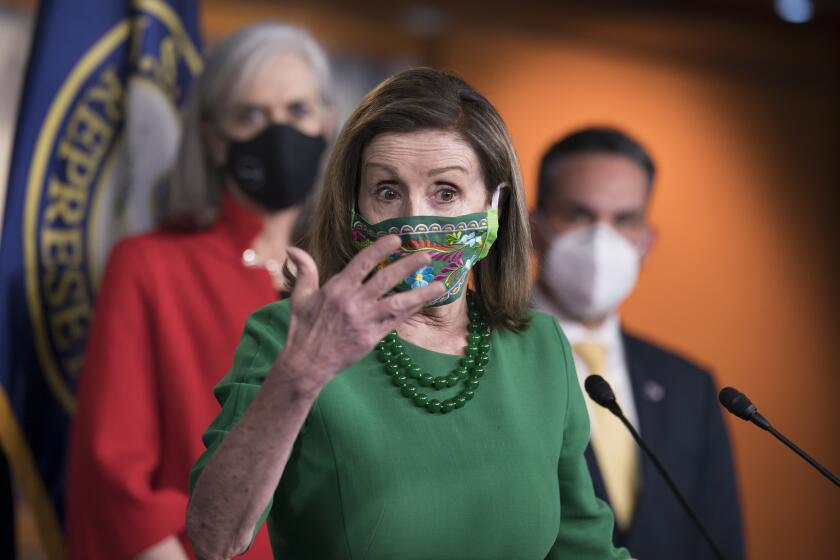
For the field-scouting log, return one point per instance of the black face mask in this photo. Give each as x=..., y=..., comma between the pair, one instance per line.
x=276, y=168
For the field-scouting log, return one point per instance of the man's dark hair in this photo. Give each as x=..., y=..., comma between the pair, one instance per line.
x=600, y=140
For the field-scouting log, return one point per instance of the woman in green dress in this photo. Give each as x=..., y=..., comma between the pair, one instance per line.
x=404, y=403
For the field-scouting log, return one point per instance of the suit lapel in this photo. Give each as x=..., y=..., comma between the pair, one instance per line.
x=651, y=413
x=600, y=489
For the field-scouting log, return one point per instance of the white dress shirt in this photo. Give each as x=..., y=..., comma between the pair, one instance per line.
x=608, y=334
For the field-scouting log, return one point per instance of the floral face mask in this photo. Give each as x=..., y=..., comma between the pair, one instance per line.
x=454, y=243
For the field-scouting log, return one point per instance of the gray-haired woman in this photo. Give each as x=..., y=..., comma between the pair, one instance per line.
x=172, y=302
x=386, y=411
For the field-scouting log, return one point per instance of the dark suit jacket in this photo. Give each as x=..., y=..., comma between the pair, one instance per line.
x=681, y=421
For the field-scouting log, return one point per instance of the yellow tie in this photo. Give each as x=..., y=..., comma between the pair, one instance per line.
x=613, y=445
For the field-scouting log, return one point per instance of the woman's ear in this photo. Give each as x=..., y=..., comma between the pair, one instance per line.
x=216, y=145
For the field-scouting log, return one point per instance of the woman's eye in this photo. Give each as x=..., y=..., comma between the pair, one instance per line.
x=447, y=195
x=387, y=193
x=253, y=117
x=298, y=111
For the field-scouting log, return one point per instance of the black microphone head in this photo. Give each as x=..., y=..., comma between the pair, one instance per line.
x=599, y=390
x=737, y=403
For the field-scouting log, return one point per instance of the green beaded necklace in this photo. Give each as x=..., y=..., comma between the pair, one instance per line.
x=404, y=371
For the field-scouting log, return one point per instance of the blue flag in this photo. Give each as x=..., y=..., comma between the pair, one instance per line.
x=98, y=128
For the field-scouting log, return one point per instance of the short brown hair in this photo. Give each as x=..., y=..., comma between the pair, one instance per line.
x=423, y=99
x=590, y=140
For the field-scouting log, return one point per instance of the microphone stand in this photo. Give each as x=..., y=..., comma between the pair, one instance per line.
x=738, y=404
x=668, y=480
x=824, y=471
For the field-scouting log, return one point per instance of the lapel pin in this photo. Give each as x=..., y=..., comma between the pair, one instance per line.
x=653, y=391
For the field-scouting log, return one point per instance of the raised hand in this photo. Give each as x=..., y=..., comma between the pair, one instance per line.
x=334, y=326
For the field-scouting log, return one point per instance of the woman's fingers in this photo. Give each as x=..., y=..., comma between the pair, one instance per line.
x=351, y=307
x=393, y=274
x=306, y=281
x=362, y=264
x=393, y=310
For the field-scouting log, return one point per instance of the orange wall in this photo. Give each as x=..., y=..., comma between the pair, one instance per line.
x=741, y=122
x=740, y=275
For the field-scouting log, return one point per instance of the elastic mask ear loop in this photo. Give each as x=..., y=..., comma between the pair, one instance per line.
x=492, y=223
x=494, y=203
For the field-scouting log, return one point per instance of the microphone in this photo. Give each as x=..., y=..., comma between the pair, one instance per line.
x=738, y=404
x=600, y=391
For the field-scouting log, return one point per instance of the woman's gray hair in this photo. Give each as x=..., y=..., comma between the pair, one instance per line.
x=193, y=193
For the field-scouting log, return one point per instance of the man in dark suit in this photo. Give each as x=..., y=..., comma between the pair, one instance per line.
x=591, y=234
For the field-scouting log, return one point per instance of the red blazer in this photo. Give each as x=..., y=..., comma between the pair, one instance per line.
x=169, y=315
